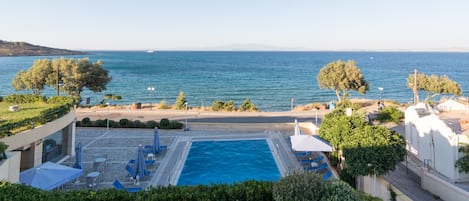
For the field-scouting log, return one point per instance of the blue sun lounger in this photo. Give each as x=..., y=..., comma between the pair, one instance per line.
x=118, y=185
x=327, y=175
x=147, y=162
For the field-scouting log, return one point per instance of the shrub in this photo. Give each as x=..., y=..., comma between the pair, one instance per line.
x=63, y=100
x=113, y=124
x=247, y=106
x=346, y=177
x=175, y=125
x=1, y=99
x=230, y=106
x=390, y=114
x=218, y=105
x=339, y=190
x=3, y=148
x=24, y=98
x=151, y=124
x=300, y=186
x=137, y=124
x=248, y=191
x=123, y=122
x=180, y=101
x=100, y=123
x=163, y=104
x=164, y=123
x=86, y=121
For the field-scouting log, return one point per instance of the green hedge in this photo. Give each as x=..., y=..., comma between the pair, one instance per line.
x=24, y=98
x=249, y=191
x=125, y=123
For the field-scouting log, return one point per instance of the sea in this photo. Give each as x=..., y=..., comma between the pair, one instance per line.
x=272, y=80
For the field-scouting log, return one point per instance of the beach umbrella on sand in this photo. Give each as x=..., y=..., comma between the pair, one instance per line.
x=140, y=165
x=156, y=141
x=78, y=156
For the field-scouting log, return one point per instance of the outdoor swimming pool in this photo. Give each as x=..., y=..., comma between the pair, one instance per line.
x=210, y=162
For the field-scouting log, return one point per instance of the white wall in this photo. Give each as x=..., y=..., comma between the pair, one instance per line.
x=434, y=142
x=366, y=185
x=443, y=189
x=10, y=167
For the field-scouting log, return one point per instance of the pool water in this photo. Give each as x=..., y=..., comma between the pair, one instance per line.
x=214, y=162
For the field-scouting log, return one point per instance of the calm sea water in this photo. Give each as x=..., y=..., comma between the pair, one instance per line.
x=269, y=79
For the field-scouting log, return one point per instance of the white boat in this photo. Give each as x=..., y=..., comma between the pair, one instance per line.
x=150, y=51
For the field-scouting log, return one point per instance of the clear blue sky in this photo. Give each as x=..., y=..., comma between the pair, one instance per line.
x=224, y=24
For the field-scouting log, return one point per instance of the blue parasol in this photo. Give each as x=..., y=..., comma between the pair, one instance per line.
x=156, y=141
x=140, y=165
x=78, y=157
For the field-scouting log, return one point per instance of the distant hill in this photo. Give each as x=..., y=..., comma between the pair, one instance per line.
x=27, y=49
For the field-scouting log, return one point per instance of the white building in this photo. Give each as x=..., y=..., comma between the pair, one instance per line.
x=435, y=137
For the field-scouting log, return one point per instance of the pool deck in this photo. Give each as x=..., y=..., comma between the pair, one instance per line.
x=120, y=146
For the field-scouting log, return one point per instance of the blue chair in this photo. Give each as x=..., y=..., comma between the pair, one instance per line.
x=316, y=160
x=327, y=175
x=119, y=186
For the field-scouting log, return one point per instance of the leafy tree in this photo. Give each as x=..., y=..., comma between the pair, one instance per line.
x=463, y=162
x=181, y=101
x=79, y=74
x=341, y=77
x=336, y=126
x=35, y=78
x=247, y=106
x=372, y=150
x=433, y=85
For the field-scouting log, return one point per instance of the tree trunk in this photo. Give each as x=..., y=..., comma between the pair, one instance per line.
x=337, y=93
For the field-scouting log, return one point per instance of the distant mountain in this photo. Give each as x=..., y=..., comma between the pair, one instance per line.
x=27, y=49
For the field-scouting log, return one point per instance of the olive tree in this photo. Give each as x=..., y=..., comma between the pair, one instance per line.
x=76, y=75
x=433, y=85
x=341, y=77
x=34, y=78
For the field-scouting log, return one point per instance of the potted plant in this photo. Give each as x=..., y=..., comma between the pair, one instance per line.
x=3, y=148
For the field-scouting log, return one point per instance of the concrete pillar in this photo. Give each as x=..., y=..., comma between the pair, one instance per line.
x=31, y=156
x=68, y=140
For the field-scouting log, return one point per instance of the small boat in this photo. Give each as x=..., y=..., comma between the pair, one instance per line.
x=150, y=51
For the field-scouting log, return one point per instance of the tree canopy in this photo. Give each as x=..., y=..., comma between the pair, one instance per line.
x=75, y=75
x=433, y=85
x=341, y=77
x=35, y=78
x=366, y=149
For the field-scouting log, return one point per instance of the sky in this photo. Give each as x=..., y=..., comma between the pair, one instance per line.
x=238, y=24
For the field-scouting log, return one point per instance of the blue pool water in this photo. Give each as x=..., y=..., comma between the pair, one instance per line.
x=211, y=162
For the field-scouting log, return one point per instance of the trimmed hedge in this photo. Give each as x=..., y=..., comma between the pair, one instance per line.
x=248, y=190
x=126, y=123
x=24, y=98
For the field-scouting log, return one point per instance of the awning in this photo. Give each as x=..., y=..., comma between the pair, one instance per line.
x=49, y=175
x=308, y=143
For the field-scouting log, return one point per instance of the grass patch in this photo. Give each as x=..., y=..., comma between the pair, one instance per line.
x=27, y=110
